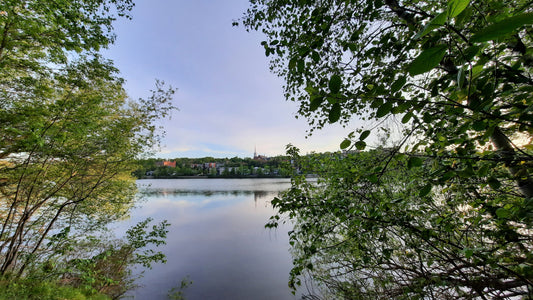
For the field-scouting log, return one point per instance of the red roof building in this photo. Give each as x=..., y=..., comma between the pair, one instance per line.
x=166, y=163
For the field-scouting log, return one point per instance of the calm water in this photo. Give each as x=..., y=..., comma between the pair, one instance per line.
x=217, y=238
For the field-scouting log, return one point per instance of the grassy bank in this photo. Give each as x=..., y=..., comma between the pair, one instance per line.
x=43, y=290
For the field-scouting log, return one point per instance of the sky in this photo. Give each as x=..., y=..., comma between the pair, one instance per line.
x=229, y=102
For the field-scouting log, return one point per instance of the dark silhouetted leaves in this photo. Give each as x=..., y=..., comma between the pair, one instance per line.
x=345, y=144
x=384, y=109
x=364, y=135
x=427, y=60
x=334, y=113
x=335, y=84
x=414, y=162
x=315, y=103
x=425, y=190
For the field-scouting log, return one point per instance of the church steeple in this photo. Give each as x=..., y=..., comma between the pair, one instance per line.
x=259, y=156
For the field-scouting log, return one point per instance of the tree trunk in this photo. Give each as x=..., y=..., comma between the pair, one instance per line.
x=508, y=154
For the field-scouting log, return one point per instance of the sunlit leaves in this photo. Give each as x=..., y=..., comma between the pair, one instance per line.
x=436, y=22
x=502, y=28
x=455, y=7
x=71, y=133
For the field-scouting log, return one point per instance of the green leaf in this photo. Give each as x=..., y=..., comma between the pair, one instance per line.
x=438, y=21
x=470, y=52
x=425, y=190
x=494, y=183
x=315, y=56
x=460, y=77
x=407, y=117
x=468, y=253
x=479, y=125
x=315, y=103
x=414, y=162
x=398, y=84
x=476, y=70
x=360, y=145
x=373, y=178
x=502, y=28
x=332, y=100
x=345, y=144
x=448, y=175
x=455, y=7
x=364, y=135
x=300, y=65
x=335, y=84
x=292, y=63
x=427, y=60
x=502, y=213
x=384, y=109
x=335, y=113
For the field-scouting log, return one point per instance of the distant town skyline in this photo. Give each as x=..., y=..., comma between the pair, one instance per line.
x=228, y=100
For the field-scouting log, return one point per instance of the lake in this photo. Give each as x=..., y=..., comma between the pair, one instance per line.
x=217, y=239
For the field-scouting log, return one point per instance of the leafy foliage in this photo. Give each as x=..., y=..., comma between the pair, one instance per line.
x=445, y=212
x=70, y=134
x=30, y=289
x=109, y=272
x=365, y=231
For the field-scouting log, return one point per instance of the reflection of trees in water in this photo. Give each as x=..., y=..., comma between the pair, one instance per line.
x=263, y=194
x=208, y=193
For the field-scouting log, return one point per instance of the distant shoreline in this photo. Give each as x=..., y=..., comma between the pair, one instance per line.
x=211, y=177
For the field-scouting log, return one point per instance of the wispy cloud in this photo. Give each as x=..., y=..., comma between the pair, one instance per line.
x=229, y=101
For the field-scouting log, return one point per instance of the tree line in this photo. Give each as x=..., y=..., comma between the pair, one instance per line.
x=235, y=167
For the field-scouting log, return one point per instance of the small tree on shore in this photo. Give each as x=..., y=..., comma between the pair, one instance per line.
x=69, y=133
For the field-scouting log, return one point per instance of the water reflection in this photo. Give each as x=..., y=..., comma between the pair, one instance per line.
x=217, y=238
x=207, y=193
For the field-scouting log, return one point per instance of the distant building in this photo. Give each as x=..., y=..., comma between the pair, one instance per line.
x=166, y=163
x=210, y=165
x=258, y=156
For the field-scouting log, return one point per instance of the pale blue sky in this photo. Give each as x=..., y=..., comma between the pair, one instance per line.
x=228, y=100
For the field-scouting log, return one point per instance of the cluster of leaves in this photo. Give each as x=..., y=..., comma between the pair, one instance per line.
x=90, y=267
x=69, y=134
x=446, y=212
x=370, y=232
x=109, y=272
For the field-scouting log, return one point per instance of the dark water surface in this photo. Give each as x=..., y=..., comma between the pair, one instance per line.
x=217, y=238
